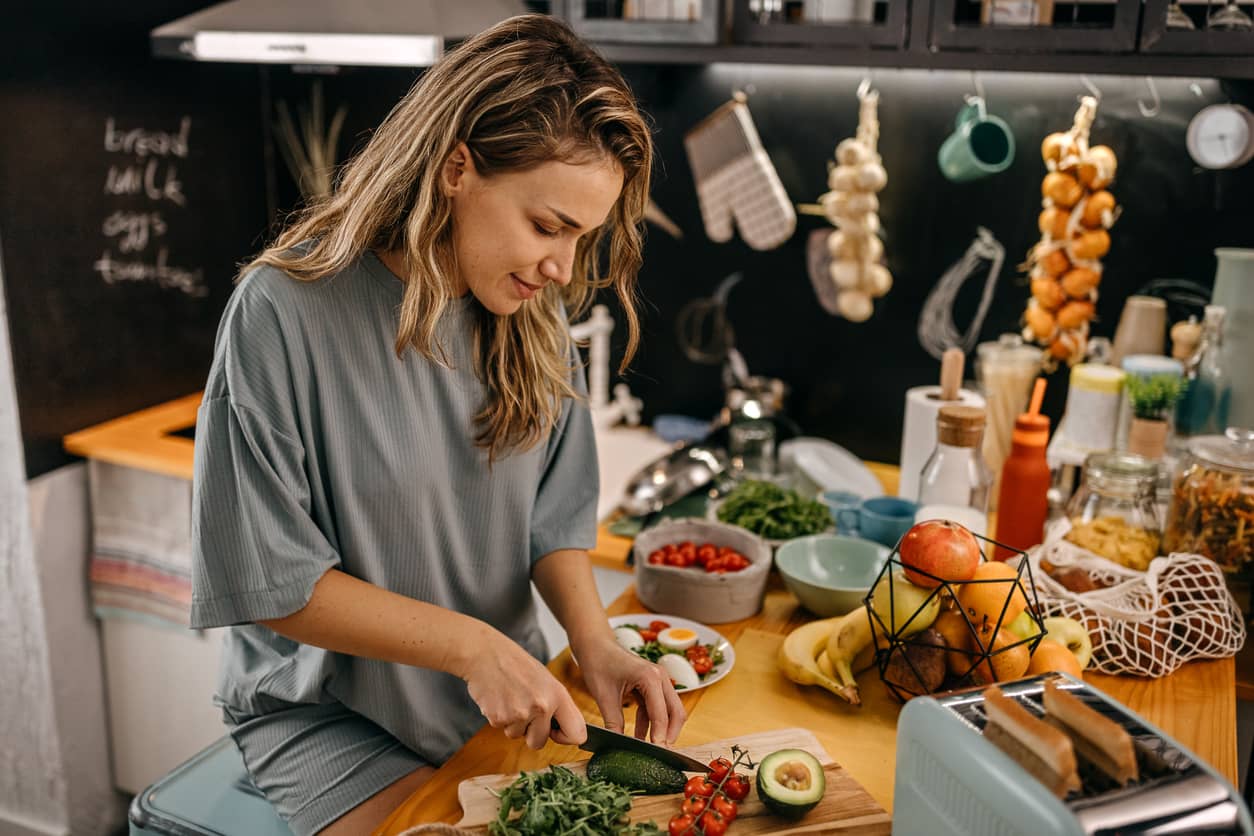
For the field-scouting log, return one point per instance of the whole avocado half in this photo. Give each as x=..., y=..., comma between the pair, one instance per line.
x=635, y=771
x=791, y=782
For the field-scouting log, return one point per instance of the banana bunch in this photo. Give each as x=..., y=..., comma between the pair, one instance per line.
x=852, y=206
x=829, y=653
x=1065, y=265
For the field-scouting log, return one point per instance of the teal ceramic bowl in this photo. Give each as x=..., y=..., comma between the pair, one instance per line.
x=829, y=573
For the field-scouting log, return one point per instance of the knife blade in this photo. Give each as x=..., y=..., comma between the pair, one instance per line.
x=601, y=739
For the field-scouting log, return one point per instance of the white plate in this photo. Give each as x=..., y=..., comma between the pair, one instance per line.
x=711, y=513
x=829, y=466
x=704, y=636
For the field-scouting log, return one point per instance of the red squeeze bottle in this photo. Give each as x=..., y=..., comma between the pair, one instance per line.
x=1021, y=503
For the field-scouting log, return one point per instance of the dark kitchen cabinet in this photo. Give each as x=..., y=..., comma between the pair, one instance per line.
x=1079, y=26
x=1162, y=33
x=647, y=21
x=831, y=23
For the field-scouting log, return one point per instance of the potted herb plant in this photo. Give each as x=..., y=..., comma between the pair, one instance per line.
x=1153, y=398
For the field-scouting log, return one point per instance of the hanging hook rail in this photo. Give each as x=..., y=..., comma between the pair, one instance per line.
x=1151, y=110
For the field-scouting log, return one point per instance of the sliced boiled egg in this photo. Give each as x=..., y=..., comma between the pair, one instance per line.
x=677, y=638
x=680, y=672
x=628, y=638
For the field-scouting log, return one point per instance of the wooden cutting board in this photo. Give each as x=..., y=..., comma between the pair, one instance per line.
x=846, y=807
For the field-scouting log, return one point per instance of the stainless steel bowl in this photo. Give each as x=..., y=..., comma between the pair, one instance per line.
x=672, y=477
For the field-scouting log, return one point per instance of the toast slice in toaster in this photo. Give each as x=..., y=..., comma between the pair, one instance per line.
x=1044, y=751
x=1097, y=739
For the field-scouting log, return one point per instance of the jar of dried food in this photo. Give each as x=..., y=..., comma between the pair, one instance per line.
x=1212, y=500
x=1113, y=512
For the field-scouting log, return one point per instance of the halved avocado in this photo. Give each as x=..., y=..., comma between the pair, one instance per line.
x=791, y=782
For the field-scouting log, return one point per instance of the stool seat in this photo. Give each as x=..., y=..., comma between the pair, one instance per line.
x=209, y=795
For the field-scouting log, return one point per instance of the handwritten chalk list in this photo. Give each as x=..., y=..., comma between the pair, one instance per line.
x=144, y=194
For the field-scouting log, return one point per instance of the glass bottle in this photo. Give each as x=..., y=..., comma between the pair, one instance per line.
x=1203, y=410
x=954, y=483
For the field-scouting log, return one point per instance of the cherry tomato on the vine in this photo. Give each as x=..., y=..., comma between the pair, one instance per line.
x=713, y=823
x=737, y=788
x=699, y=785
x=680, y=825
x=725, y=807
x=694, y=805
x=719, y=766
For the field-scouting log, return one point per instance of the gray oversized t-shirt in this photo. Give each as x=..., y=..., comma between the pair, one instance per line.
x=317, y=447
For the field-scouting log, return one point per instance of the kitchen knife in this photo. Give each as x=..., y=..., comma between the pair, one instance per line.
x=601, y=739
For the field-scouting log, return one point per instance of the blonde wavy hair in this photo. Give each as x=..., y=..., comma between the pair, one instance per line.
x=523, y=93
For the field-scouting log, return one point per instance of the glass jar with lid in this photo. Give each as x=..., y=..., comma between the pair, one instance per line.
x=1212, y=500
x=1113, y=513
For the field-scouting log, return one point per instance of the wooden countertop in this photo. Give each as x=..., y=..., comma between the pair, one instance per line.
x=1196, y=705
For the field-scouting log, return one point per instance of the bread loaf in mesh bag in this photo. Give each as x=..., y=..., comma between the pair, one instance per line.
x=1148, y=623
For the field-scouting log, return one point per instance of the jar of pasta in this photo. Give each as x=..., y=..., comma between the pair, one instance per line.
x=1113, y=513
x=1212, y=500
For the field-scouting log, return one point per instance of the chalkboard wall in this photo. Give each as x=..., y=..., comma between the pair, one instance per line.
x=130, y=188
x=107, y=145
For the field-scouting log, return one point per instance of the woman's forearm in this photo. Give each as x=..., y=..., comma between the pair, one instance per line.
x=564, y=579
x=349, y=615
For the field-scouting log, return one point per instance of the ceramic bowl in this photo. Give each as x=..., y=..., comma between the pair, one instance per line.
x=692, y=592
x=829, y=573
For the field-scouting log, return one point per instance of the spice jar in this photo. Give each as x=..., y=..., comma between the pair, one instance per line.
x=1212, y=501
x=1113, y=513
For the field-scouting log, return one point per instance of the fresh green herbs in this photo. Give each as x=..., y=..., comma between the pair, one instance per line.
x=773, y=512
x=1154, y=396
x=558, y=802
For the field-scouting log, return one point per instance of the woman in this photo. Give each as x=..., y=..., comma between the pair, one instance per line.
x=394, y=441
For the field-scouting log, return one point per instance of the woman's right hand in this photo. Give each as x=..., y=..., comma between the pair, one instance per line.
x=518, y=695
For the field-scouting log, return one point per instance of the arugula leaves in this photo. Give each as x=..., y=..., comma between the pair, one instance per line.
x=770, y=511
x=558, y=802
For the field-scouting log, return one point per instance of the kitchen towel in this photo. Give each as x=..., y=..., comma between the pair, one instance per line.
x=141, y=545
x=918, y=434
x=736, y=181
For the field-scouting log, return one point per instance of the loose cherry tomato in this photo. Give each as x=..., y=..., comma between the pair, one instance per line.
x=648, y=635
x=689, y=554
x=713, y=564
x=688, y=544
x=737, y=788
x=699, y=785
x=705, y=553
x=658, y=626
x=670, y=547
x=725, y=807
x=697, y=651
x=719, y=766
x=694, y=805
x=713, y=823
x=703, y=666
x=722, y=550
x=680, y=825
x=736, y=562
x=675, y=559
x=658, y=557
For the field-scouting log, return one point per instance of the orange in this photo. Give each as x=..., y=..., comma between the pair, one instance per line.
x=1004, y=662
x=957, y=634
x=983, y=602
x=1051, y=656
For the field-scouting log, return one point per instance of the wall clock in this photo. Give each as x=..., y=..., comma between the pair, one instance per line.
x=1221, y=136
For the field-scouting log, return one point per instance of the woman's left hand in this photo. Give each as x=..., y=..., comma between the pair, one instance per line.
x=613, y=674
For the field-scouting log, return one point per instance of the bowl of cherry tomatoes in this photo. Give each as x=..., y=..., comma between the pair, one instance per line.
x=700, y=569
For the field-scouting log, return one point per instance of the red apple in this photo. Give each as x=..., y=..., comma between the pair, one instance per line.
x=941, y=548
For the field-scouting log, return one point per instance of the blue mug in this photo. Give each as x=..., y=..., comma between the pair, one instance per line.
x=981, y=144
x=837, y=501
x=882, y=518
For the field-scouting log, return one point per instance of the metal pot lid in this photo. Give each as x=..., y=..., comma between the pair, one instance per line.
x=1234, y=450
x=671, y=478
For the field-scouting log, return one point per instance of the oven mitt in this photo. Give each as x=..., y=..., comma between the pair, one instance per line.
x=736, y=181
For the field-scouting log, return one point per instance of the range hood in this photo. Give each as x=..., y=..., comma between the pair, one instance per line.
x=398, y=33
